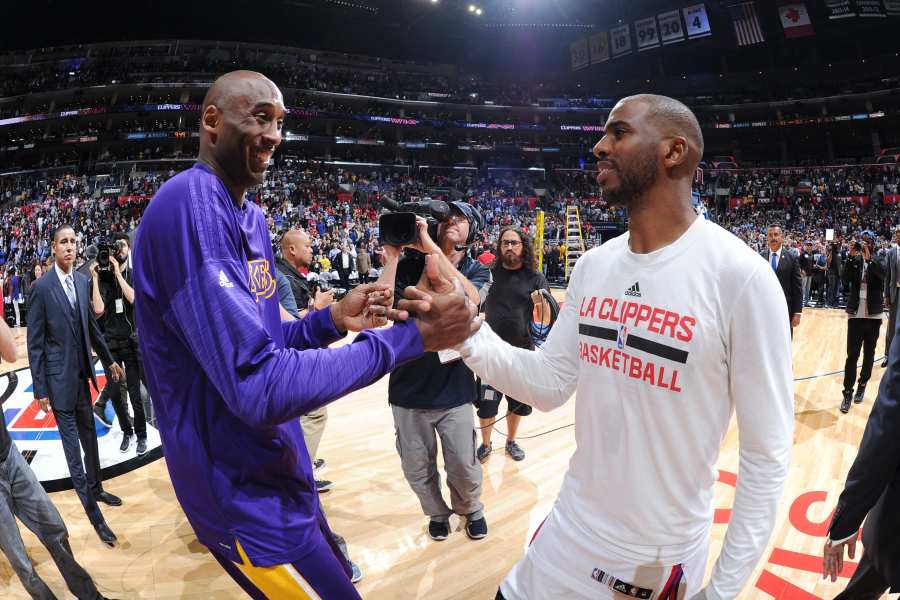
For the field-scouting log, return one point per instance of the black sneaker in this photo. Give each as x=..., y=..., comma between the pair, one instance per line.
x=483, y=452
x=845, y=403
x=476, y=529
x=142, y=446
x=357, y=572
x=323, y=485
x=860, y=392
x=101, y=415
x=515, y=451
x=319, y=463
x=439, y=530
x=126, y=443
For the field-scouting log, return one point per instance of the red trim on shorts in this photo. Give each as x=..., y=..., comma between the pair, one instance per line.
x=670, y=590
x=537, y=531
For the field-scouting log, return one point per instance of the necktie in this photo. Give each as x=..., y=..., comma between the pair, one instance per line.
x=774, y=256
x=70, y=291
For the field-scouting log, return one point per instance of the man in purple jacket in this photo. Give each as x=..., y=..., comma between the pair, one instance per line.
x=229, y=380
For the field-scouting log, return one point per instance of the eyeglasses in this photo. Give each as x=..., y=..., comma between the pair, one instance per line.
x=511, y=243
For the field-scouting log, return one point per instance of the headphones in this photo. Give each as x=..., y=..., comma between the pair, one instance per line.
x=476, y=221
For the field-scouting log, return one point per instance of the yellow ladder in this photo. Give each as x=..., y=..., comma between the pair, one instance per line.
x=574, y=240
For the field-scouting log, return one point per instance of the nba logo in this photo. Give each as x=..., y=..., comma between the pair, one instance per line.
x=623, y=334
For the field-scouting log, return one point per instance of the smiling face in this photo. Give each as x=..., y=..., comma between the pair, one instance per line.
x=627, y=164
x=242, y=121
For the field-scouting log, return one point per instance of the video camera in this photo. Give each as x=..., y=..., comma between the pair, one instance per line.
x=398, y=227
x=107, y=248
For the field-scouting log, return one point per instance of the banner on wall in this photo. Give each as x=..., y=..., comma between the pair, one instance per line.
x=795, y=19
x=646, y=33
x=620, y=38
x=579, y=54
x=670, y=29
x=599, y=47
x=839, y=9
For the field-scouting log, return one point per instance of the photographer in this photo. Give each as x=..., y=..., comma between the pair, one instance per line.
x=429, y=396
x=116, y=309
x=864, y=281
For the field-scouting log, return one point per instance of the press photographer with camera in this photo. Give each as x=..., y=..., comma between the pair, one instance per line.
x=433, y=395
x=864, y=282
x=112, y=280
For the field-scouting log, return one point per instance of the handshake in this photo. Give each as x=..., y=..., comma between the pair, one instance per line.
x=439, y=307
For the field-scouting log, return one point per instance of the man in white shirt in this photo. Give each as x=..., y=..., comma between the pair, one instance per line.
x=666, y=332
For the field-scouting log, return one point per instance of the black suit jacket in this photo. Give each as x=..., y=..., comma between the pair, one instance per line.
x=788, y=273
x=54, y=342
x=873, y=483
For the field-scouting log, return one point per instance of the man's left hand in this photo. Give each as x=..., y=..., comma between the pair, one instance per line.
x=114, y=264
x=116, y=373
x=537, y=298
x=795, y=320
x=833, y=557
x=364, y=307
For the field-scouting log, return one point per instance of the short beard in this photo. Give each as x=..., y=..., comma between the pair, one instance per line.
x=634, y=181
x=513, y=263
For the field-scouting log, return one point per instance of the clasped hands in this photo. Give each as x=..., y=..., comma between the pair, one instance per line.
x=443, y=312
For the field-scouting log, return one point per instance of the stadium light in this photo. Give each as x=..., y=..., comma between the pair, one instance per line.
x=478, y=11
x=471, y=8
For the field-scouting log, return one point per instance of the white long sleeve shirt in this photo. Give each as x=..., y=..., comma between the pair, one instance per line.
x=661, y=349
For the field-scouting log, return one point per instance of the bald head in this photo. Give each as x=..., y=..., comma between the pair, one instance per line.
x=296, y=248
x=672, y=118
x=231, y=86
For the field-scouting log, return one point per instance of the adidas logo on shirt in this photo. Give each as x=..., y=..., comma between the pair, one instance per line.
x=224, y=281
x=634, y=290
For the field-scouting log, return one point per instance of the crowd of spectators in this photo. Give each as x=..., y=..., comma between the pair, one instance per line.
x=340, y=205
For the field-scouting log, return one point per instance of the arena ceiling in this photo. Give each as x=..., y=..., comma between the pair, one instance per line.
x=518, y=34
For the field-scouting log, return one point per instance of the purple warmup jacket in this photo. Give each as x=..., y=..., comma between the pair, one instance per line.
x=228, y=379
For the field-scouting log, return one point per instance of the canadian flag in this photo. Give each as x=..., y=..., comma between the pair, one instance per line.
x=795, y=19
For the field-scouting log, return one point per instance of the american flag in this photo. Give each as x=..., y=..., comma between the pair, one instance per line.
x=746, y=24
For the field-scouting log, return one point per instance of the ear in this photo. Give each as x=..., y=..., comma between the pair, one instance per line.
x=209, y=121
x=676, y=152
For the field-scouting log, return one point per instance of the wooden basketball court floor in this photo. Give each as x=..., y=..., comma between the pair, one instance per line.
x=372, y=506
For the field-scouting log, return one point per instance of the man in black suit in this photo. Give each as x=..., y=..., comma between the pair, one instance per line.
x=873, y=489
x=61, y=331
x=787, y=268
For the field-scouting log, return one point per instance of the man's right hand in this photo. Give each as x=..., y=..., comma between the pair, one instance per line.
x=445, y=315
x=44, y=403
x=323, y=299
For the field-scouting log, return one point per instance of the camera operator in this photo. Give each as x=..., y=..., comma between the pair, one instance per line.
x=429, y=396
x=116, y=307
x=864, y=281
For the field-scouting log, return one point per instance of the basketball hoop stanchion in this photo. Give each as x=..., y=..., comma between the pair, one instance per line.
x=539, y=240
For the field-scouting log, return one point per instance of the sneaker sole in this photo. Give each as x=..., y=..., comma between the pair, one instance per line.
x=475, y=537
x=438, y=538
